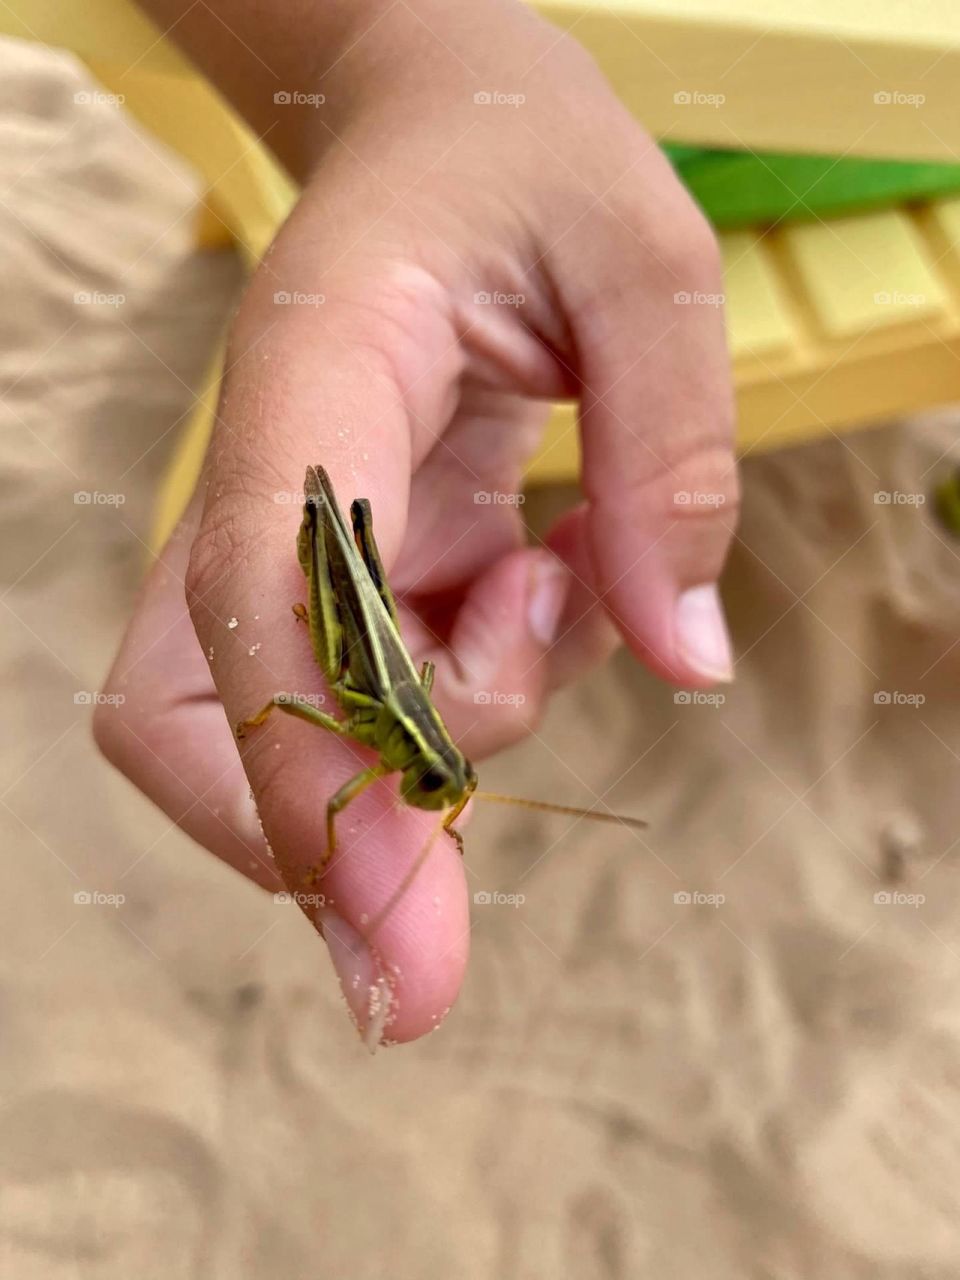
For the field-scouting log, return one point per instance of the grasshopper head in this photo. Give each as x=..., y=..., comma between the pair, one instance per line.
x=439, y=783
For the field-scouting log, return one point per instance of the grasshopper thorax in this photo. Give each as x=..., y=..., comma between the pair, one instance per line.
x=438, y=783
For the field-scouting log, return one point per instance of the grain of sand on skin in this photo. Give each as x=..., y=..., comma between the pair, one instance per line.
x=769, y=1086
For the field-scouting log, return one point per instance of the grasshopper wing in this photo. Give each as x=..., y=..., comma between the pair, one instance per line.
x=373, y=653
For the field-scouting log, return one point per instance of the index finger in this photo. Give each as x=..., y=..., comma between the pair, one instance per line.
x=279, y=410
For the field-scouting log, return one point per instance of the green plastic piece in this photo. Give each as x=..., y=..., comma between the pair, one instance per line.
x=740, y=188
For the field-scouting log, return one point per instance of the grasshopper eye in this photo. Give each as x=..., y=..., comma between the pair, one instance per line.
x=432, y=780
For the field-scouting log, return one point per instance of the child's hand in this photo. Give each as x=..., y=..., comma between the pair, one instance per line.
x=452, y=261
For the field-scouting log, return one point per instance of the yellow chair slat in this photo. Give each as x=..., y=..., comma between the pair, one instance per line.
x=864, y=272
x=759, y=320
x=941, y=221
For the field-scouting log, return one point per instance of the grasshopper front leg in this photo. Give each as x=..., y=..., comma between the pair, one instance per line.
x=349, y=791
x=455, y=813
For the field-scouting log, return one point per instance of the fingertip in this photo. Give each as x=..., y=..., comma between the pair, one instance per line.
x=398, y=934
x=681, y=635
x=364, y=984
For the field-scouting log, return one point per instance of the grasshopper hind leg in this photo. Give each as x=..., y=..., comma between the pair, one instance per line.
x=294, y=704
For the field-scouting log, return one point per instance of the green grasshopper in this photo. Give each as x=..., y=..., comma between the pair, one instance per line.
x=354, y=631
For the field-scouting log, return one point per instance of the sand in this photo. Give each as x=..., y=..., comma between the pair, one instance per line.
x=761, y=1082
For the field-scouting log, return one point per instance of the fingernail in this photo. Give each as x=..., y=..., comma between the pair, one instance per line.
x=367, y=992
x=549, y=584
x=701, y=631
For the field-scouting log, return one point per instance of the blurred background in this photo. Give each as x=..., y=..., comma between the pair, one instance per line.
x=729, y=1049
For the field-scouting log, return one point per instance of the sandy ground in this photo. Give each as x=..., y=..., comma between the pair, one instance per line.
x=630, y=1085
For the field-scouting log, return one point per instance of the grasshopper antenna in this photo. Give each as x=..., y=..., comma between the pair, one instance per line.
x=571, y=810
x=543, y=805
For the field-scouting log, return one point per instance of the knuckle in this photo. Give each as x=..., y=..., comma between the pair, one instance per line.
x=698, y=484
x=683, y=248
x=671, y=258
x=673, y=230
